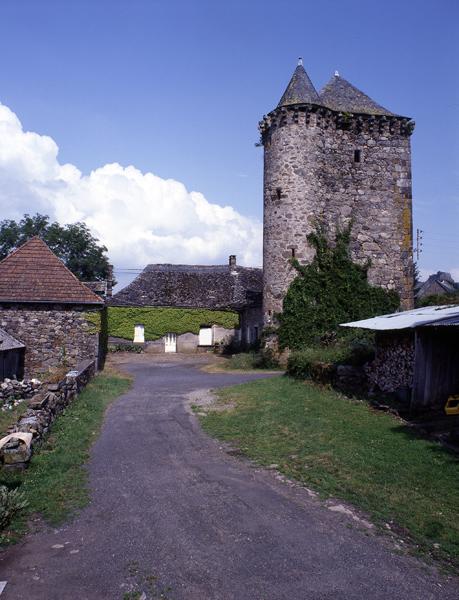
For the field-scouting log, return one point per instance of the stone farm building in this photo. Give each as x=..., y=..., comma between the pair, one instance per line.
x=46, y=308
x=204, y=305
x=335, y=157
x=438, y=284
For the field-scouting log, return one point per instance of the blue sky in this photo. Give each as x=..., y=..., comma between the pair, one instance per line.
x=177, y=88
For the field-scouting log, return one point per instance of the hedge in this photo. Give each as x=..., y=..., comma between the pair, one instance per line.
x=158, y=322
x=319, y=363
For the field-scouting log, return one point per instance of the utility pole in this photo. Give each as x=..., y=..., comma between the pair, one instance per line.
x=419, y=244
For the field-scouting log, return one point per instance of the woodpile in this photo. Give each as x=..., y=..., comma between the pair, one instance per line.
x=394, y=363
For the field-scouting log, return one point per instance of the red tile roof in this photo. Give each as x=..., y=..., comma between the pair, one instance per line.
x=33, y=273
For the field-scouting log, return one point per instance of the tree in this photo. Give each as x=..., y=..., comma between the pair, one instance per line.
x=73, y=244
x=329, y=291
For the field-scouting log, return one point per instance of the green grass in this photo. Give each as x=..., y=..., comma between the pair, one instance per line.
x=55, y=484
x=343, y=448
x=244, y=361
x=9, y=417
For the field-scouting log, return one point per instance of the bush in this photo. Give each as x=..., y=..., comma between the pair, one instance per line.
x=136, y=349
x=253, y=360
x=438, y=300
x=319, y=363
x=329, y=291
x=11, y=503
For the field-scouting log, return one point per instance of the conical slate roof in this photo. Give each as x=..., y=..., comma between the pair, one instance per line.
x=300, y=89
x=342, y=96
x=33, y=273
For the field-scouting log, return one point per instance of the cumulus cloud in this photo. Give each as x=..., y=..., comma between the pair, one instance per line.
x=140, y=217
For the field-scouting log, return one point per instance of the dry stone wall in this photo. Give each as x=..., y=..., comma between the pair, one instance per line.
x=332, y=167
x=43, y=407
x=55, y=336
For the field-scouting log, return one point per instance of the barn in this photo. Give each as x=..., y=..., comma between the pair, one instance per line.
x=417, y=355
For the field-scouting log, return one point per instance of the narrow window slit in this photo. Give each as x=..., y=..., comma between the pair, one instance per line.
x=357, y=156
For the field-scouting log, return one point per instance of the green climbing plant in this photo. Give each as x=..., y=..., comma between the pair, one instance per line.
x=159, y=321
x=330, y=290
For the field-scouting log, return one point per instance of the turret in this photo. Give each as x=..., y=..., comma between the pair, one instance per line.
x=333, y=157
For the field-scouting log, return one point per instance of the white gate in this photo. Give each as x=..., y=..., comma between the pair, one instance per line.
x=170, y=342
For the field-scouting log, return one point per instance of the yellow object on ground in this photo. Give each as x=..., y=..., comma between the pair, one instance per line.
x=452, y=405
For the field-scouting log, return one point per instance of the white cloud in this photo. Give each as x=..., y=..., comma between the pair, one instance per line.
x=140, y=217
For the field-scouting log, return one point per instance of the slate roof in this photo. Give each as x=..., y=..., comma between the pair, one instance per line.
x=441, y=280
x=300, y=90
x=8, y=342
x=193, y=286
x=33, y=273
x=340, y=95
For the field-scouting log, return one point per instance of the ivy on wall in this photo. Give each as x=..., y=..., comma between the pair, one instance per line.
x=94, y=320
x=159, y=321
x=329, y=291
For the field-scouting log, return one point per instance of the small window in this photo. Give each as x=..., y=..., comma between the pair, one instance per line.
x=357, y=156
x=293, y=252
x=279, y=193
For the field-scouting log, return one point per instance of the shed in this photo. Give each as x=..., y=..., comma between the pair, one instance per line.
x=417, y=350
x=11, y=357
x=44, y=305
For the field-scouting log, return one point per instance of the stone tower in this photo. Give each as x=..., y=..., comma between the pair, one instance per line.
x=334, y=157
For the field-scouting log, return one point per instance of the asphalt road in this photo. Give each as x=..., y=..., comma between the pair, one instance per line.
x=174, y=516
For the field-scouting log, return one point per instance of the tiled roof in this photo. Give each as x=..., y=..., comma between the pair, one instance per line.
x=300, y=89
x=340, y=95
x=33, y=273
x=193, y=286
x=8, y=342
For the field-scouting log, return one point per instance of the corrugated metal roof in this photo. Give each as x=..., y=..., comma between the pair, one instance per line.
x=428, y=315
x=8, y=342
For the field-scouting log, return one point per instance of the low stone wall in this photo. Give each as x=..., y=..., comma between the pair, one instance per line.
x=13, y=392
x=43, y=408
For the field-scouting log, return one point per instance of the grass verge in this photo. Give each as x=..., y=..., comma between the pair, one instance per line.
x=55, y=484
x=342, y=448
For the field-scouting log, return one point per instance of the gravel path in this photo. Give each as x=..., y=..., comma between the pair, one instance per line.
x=175, y=516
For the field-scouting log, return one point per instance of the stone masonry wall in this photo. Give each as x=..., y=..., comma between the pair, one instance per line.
x=54, y=335
x=44, y=406
x=310, y=174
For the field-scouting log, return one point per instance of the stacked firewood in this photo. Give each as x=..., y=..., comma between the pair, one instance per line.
x=394, y=363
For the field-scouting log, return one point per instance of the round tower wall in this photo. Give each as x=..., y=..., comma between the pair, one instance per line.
x=291, y=187
x=328, y=167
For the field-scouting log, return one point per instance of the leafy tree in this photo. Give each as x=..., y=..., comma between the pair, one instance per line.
x=72, y=243
x=329, y=291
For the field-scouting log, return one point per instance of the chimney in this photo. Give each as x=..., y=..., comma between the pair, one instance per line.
x=232, y=260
